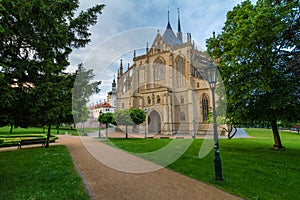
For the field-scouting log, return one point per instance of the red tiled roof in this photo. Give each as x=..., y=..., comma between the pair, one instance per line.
x=101, y=105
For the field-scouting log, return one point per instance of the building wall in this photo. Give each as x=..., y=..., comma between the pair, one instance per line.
x=168, y=81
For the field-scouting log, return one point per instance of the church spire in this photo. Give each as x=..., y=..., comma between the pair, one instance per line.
x=168, y=15
x=113, y=85
x=169, y=25
x=121, y=67
x=169, y=36
x=179, y=33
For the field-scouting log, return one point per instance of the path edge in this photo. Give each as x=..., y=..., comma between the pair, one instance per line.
x=81, y=175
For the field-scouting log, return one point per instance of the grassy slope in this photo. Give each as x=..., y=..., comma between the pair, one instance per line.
x=251, y=169
x=39, y=173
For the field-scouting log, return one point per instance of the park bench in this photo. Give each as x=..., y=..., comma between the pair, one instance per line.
x=32, y=141
x=164, y=137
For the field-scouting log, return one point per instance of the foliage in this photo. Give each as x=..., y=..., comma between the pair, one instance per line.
x=130, y=117
x=137, y=115
x=106, y=118
x=40, y=173
x=122, y=117
x=258, y=58
x=37, y=38
x=82, y=90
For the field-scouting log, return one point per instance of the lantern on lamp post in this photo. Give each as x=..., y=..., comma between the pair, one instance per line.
x=211, y=75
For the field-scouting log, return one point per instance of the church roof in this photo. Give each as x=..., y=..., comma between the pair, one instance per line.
x=169, y=36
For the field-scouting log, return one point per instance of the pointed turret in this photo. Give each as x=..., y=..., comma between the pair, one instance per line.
x=121, y=68
x=113, y=86
x=169, y=25
x=169, y=36
x=179, y=33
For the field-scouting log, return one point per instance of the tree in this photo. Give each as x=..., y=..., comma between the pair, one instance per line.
x=256, y=52
x=83, y=89
x=106, y=118
x=130, y=117
x=37, y=38
x=137, y=115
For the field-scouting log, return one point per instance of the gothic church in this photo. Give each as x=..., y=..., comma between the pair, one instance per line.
x=168, y=83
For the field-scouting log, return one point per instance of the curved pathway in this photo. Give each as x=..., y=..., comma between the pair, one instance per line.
x=107, y=183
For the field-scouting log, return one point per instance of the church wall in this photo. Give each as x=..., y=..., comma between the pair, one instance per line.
x=142, y=85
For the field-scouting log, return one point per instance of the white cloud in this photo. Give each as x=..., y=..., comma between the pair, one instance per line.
x=123, y=27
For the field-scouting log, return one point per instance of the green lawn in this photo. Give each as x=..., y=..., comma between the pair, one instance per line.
x=40, y=173
x=251, y=168
x=7, y=139
x=4, y=131
x=34, y=130
x=138, y=145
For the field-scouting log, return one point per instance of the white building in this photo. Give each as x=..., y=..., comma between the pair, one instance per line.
x=107, y=107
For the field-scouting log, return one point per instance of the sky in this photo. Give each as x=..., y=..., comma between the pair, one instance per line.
x=127, y=25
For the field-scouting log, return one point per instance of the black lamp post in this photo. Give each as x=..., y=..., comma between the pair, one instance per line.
x=211, y=74
x=99, y=123
x=146, y=111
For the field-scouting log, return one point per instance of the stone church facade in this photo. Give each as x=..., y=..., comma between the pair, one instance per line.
x=168, y=83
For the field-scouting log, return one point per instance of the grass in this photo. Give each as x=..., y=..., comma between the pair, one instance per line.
x=29, y=130
x=40, y=173
x=7, y=139
x=41, y=130
x=13, y=140
x=251, y=168
x=138, y=145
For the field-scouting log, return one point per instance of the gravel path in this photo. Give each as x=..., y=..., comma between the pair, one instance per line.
x=106, y=183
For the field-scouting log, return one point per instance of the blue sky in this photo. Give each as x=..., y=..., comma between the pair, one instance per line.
x=127, y=25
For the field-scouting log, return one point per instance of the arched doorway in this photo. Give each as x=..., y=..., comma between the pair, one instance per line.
x=154, y=122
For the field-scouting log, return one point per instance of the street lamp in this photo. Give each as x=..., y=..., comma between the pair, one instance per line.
x=194, y=129
x=211, y=74
x=99, y=124
x=146, y=111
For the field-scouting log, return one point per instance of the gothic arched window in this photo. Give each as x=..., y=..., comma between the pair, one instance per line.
x=141, y=74
x=205, y=109
x=179, y=63
x=181, y=99
x=149, y=100
x=182, y=116
x=157, y=99
x=159, y=69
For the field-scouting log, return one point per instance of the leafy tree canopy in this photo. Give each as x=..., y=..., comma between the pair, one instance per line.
x=106, y=118
x=258, y=58
x=129, y=117
x=37, y=38
x=82, y=90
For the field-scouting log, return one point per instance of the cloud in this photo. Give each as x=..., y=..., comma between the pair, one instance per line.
x=124, y=25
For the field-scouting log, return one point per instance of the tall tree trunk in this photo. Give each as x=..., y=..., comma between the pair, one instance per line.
x=48, y=136
x=57, y=127
x=82, y=125
x=277, y=140
x=11, y=128
x=106, y=127
x=126, y=132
